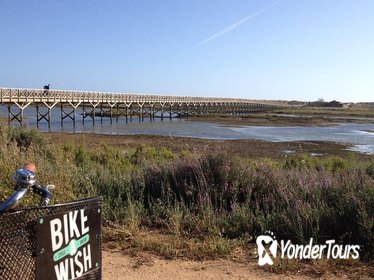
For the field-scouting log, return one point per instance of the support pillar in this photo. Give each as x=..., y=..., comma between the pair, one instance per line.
x=45, y=116
x=71, y=115
x=111, y=105
x=91, y=113
x=170, y=110
x=162, y=110
x=18, y=115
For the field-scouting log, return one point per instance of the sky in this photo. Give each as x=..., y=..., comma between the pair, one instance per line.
x=269, y=49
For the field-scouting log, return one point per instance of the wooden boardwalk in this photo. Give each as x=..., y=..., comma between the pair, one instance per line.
x=115, y=105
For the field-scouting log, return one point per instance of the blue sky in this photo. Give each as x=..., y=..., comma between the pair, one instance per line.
x=287, y=49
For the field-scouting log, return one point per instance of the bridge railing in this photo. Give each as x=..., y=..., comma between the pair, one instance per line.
x=42, y=95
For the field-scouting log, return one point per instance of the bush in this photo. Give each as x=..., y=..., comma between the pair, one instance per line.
x=25, y=137
x=208, y=195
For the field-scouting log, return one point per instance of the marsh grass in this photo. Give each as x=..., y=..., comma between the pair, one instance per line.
x=205, y=203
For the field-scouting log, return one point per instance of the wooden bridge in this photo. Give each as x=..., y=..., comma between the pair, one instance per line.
x=114, y=105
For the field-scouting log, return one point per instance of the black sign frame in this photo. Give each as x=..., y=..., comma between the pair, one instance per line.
x=78, y=234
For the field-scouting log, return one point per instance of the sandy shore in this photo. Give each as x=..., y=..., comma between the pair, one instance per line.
x=119, y=266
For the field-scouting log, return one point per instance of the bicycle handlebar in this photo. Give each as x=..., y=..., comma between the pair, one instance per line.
x=14, y=200
x=25, y=182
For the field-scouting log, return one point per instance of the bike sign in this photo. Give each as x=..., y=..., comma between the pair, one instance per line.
x=68, y=244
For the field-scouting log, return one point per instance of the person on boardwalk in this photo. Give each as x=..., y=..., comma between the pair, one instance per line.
x=46, y=89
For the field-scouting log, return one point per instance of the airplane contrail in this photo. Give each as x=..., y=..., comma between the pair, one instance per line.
x=236, y=24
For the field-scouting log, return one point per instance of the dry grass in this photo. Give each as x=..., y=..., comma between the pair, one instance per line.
x=168, y=245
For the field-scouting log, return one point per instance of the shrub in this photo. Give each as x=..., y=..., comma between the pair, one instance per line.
x=207, y=195
x=25, y=137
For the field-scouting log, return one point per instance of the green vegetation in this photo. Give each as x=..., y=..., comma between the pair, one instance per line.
x=350, y=111
x=323, y=103
x=205, y=203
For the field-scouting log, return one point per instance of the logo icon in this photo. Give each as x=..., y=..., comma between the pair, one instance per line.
x=266, y=246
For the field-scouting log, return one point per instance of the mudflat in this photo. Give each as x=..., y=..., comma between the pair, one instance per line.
x=243, y=148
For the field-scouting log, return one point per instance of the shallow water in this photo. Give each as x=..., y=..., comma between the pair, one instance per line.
x=356, y=134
